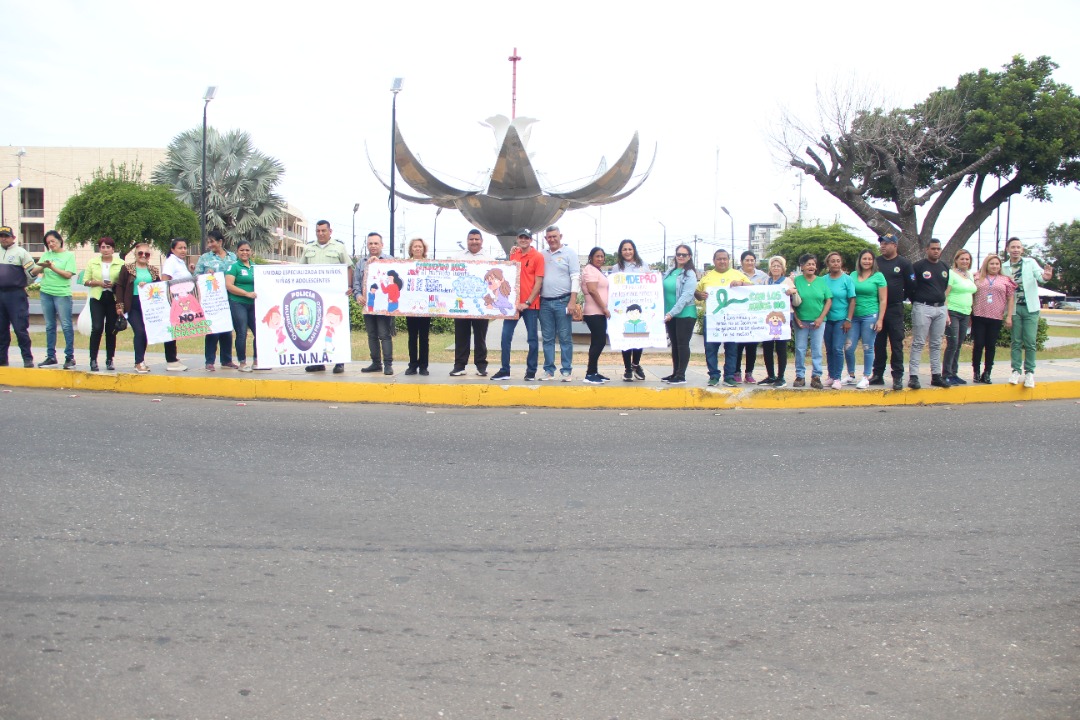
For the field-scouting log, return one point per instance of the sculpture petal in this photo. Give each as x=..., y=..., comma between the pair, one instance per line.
x=417, y=176
x=575, y=205
x=513, y=176
x=448, y=204
x=610, y=183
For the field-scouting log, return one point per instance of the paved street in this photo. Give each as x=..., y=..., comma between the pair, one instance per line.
x=197, y=558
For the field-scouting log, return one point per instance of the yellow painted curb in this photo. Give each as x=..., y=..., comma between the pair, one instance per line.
x=473, y=394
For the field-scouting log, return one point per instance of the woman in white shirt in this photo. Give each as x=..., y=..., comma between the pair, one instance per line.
x=175, y=268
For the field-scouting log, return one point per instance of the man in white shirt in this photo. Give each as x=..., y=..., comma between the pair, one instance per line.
x=475, y=329
x=558, y=303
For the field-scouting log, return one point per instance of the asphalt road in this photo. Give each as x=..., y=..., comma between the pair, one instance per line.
x=203, y=559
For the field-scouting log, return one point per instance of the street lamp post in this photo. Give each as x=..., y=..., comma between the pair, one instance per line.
x=355, y=207
x=210, y=92
x=435, y=231
x=732, y=232
x=13, y=184
x=781, y=211
x=395, y=88
x=664, y=259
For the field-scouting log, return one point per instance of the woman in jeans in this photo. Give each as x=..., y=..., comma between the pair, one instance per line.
x=995, y=299
x=216, y=260
x=131, y=277
x=680, y=312
x=816, y=300
x=240, y=284
x=56, y=267
x=101, y=276
x=959, y=297
x=775, y=374
x=838, y=320
x=871, y=293
x=630, y=262
x=596, y=313
x=419, y=327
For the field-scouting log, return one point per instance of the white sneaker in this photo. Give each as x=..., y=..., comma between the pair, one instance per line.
x=836, y=385
x=1014, y=379
x=176, y=366
x=849, y=379
x=863, y=383
x=1029, y=380
x=568, y=377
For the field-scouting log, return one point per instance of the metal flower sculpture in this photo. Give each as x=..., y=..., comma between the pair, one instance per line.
x=514, y=198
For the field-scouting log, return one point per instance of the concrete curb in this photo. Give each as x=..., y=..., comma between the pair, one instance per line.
x=546, y=396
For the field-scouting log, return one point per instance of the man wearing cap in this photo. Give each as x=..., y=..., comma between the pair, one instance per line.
x=530, y=279
x=558, y=303
x=471, y=328
x=325, y=251
x=15, y=266
x=898, y=276
x=929, y=316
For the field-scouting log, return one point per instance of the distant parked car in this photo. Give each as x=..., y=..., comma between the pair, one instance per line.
x=1067, y=305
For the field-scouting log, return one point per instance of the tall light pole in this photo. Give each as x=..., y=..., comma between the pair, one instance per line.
x=210, y=92
x=13, y=184
x=395, y=88
x=435, y=231
x=781, y=211
x=664, y=259
x=355, y=207
x=732, y=232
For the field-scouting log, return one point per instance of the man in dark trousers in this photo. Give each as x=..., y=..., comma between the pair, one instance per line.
x=898, y=274
x=471, y=329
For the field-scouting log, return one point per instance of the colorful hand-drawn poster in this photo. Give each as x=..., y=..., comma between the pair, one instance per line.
x=441, y=288
x=178, y=309
x=636, y=302
x=301, y=315
x=747, y=313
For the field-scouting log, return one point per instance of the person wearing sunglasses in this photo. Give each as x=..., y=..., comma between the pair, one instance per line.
x=132, y=276
x=680, y=312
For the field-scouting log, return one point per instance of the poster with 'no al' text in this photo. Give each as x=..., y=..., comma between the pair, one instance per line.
x=179, y=309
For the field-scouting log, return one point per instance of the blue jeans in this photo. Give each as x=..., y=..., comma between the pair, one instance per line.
x=712, y=350
x=862, y=328
x=802, y=335
x=554, y=320
x=51, y=306
x=530, y=318
x=211, y=344
x=834, y=347
x=243, y=319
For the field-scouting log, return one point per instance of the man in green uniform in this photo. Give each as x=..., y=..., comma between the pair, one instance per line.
x=325, y=251
x=15, y=265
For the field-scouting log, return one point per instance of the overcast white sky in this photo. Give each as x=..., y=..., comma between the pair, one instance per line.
x=310, y=81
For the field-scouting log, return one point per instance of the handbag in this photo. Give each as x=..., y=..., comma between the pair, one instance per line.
x=121, y=323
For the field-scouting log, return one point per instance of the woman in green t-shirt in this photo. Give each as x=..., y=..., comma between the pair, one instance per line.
x=871, y=293
x=959, y=297
x=240, y=284
x=810, y=320
x=56, y=268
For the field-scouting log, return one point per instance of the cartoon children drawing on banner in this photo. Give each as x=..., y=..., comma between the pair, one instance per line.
x=499, y=290
x=276, y=322
x=333, y=320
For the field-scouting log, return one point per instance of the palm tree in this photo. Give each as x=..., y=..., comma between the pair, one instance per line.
x=240, y=182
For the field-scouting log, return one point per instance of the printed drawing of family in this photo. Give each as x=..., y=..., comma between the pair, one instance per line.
x=390, y=287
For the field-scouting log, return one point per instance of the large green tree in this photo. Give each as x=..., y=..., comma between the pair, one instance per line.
x=897, y=169
x=818, y=240
x=118, y=204
x=1062, y=251
x=240, y=183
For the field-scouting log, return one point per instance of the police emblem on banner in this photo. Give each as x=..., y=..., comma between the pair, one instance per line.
x=303, y=311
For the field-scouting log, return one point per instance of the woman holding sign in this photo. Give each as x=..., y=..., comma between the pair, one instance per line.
x=596, y=313
x=419, y=327
x=630, y=262
x=240, y=284
x=777, y=276
x=175, y=268
x=133, y=276
x=680, y=312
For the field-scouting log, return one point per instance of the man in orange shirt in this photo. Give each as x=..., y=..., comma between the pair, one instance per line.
x=530, y=278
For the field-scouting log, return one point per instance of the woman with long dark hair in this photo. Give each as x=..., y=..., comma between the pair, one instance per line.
x=631, y=263
x=680, y=312
x=56, y=267
x=240, y=285
x=101, y=276
x=810, y=320
x=871, y=293
x=175, y=268
x=595, y=313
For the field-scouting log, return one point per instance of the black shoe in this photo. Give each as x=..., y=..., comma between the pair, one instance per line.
x=502, y=375
x=388, y=369
x=677, y=380
x=315, y=368
x=93, y=366
x=29, y=363
x=457, y=372
x=69, y=364
x=481, y=372
x=638, y=372
x=628, y=375
x=424, y=371
x=898, y=383
x=339, y=368
x=410, y=370
x=957, y=380
x=771, y=380
x=47, y=362
x=373, y=367
x=529, y=377
x=938, y=381
x=877, y=380
x=109, y=364
x=913, y=382
x=986, y=378
x=666, y=378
